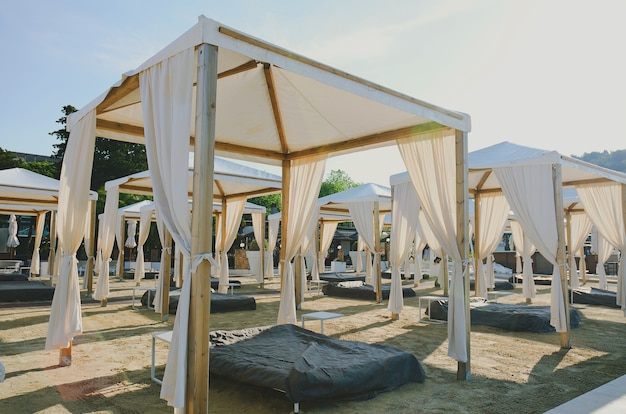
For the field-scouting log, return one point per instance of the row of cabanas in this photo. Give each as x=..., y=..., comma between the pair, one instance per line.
x=218, y=91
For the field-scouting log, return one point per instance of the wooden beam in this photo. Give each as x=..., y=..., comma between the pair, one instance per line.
x=197, y=389
x=557, y=180
x=278, y=120
x=367, y=140
x=478, y=262
x=119, y=127
x=296, y=57
x=286, y=175
x=483, y=180
x=249, y=65
x=129, y=85
x=255, y=152
x=462, y=239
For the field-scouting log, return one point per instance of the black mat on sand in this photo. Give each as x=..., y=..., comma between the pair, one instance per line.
x=365, y=292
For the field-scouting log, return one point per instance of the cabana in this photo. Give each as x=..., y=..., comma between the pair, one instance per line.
x=531, y=182
x=366, y=206
x=216, y=90
x=26, y=193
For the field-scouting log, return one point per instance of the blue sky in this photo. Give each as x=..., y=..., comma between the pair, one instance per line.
x=546, y=74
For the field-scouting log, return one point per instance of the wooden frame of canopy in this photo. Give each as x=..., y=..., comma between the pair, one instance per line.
x=350, y=114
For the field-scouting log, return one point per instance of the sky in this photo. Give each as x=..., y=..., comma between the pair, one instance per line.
x=547, y=74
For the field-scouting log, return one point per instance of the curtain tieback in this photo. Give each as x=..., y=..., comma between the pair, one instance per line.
x=199, y=258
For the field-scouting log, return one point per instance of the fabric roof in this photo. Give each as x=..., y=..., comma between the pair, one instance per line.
x=338, y=203
x=133, y=211
x=19, y=186
x=273, y=103
x=229, y=179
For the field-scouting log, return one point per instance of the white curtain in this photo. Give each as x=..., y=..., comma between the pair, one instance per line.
x=530, y=192
x=13, y=241
x=526, y=250
x=106, y=239
x=65, y=313
x=88, y=243
x=362, y=214
x=145, y=218
x=493, y=211
x=119, y=239
x=308, y=248
x=273, y=223
x=327, y=233
x=431, y=163
x=360, y=248
x=258, y=221
x=165, y=265
x=404, y=217
x=231, y=219
x=580, y=226
x=166, y=94
x=604, y=250
x=419, y=243
x=35, y=260
x=305, y=181
x=604, y=205
x=131, y=242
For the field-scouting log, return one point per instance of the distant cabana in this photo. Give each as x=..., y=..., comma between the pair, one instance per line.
x=26, y=193
x=216, y=90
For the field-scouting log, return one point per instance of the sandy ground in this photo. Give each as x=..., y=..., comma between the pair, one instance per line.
x=110, y=372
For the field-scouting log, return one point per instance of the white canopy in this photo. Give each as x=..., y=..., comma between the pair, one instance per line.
x=224, y=92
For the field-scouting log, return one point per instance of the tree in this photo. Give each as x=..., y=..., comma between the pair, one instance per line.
x=47, y=168
x=337, y=181
x=272, y=203
x=9, y=160
x=615, y=160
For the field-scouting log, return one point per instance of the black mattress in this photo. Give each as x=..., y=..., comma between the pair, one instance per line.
x=310, y=366
x=539, y=280
x=387, y=275
x=362, y=292
x=340, y=277
x=506, y=316
x=593, y=296
x=499, y=285
x=220, y=302
x=13, y=277
x=25, y=291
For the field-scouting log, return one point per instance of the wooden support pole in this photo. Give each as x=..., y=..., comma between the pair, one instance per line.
x=299, y=276
x=377, y=275
x=166, y=278
x=462, y=238
x=286, y=174
x=53, y=244
x=478, y=262
x=65, y=356
x=262, y=248
x=120, y=256
x=90, y=249
x=557, y=180
x=197, y=389
x=569, y=258
x=443, y=270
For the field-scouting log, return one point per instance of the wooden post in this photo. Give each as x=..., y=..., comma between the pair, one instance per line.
x=65, y=356
x=286, y=173
x=443, y=273
x=462, y=219
x=53, y=244
x=90, y=249
x=223, y=289
x=377, y=275
x=262, y=248
x=197, y=389
x=569, y=259
x=120, y=256
x=557, y=180
x=298, y=274
x=165, y=280
x=478, y=262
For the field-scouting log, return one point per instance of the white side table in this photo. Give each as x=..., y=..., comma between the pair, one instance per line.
x=495, y=294
x=320, y=316
x=428, y=300
x=165, y=337
x=316, y=285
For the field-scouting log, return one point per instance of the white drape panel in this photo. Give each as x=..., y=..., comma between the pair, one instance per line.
x=362, y=214
x=604, y=250
x=232, y=219
x=603, y=203
x=273, y=224
x=360, y=247
x=404, y=218
x=431, y=163
x=12, y=241
x=305, y=181
x=527, y=249
x=165, y=265
x=145, y=218
x=493, y=211
x=580, y=226
x=35, y=260
x=258, y=221
x=530, y=192
x=88, y=242
x=308, y=248
x=327, y=232
x=419, y=244
x=119, y=239
x=65, y=317
x=166, y=94
x=518, y=243
x=131, y=231
x=106, y=239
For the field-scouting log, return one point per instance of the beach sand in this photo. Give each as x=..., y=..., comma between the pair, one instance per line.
x=513, y=372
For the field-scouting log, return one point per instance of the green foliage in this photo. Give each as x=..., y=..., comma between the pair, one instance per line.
x=337, y=181
x=268, y=201
x=47, y=168
x=62, y=134
x=9, y=160
x=614, y=160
